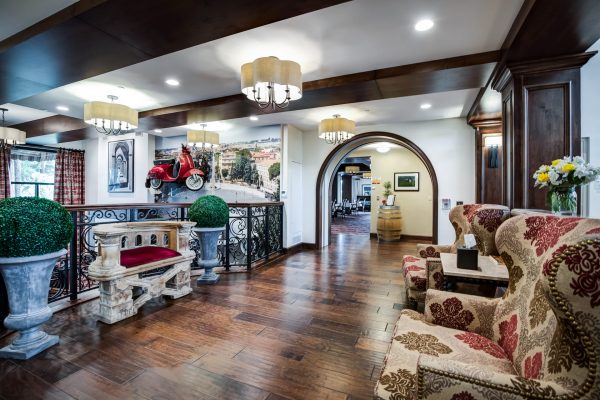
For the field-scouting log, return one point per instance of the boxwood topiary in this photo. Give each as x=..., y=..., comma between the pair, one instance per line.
x=209, y=212
x=32, y=226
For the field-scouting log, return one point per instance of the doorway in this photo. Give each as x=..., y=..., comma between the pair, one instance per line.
x=334, y=160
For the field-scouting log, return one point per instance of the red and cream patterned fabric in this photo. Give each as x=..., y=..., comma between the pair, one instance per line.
x=69, y=177
x=545, y=327
x=5, y=171
x=484, y=225
x=462, y=218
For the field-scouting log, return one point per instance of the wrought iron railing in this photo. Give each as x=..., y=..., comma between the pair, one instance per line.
x=254, y=234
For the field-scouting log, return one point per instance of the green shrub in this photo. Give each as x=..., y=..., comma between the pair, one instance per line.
x=209, y=212
x=32, y=226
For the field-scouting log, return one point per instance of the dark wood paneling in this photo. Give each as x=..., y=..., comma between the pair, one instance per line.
x=96, y=37
x=465, y=72
x=541, y=121
x=488, y=181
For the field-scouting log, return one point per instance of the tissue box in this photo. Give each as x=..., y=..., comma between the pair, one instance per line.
x=466, y=258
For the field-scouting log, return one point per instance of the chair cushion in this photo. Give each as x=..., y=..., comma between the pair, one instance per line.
x=415, y=273
x=414, y=336
x=412, y=260
x=145, y=255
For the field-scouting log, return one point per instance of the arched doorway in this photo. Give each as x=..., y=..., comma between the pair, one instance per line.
x=333, y=160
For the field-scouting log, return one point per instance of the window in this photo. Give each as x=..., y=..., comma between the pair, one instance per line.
x=32, y=173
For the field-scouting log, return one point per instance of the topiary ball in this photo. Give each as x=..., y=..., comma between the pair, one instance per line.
x=30, y=226
x=209, y=212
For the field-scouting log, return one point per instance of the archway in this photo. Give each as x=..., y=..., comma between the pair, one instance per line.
x=333, y=160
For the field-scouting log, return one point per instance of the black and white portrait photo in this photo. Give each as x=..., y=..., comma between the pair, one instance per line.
x=120, y=166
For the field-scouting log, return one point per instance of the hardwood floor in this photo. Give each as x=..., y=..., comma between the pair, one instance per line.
x=313, y=326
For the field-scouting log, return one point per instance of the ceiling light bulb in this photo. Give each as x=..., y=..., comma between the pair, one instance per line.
x=425, y=106
x=158, y=130
x=424, y=25
x=383, y=149
x=253, y=118
x=62, y=108
x=172, y=82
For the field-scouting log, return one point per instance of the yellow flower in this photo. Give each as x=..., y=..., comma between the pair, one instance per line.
x=543, y=177
x=568, y=167
x=555, y=162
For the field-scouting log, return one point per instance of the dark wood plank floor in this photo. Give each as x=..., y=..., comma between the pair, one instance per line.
x=313, y=326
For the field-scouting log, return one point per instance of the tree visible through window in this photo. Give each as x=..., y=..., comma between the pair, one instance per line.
x=32, y=173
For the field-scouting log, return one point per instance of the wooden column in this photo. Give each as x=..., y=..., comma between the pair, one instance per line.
x=488, y=179
x=540, y=121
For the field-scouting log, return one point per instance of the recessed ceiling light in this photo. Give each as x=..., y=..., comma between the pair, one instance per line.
x=424, y=25
x=383, y=149
x=172, y=82
x=425, y=106
x=62, y=108
x=158, y=130
x=253, y=118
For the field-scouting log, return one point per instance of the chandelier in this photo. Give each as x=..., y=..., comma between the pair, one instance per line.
x=10, y=135
x=205, y=139
x=336, y=130
x=110, y=118
x=272, y=82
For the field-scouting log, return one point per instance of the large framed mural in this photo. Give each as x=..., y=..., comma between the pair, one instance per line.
x=247, y=166
x=120, y=166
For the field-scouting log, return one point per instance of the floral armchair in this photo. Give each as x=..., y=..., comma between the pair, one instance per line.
x=425, y=272
x=539, y=341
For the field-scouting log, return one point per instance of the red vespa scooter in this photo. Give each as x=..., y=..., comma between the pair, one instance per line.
x=180, y=171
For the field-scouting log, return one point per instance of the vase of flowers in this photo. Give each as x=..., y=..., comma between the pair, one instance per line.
x=561, y=178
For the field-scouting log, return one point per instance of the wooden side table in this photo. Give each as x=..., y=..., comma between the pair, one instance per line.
x=489, y=272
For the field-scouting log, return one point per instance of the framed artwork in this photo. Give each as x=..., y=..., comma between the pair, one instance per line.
x=366, y=189
x=120, y=166
x=406, y=181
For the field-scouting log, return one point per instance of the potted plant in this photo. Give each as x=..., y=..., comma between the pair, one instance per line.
x=387, y=190
x=35, y=233
x=211, y=214
x=561, y=178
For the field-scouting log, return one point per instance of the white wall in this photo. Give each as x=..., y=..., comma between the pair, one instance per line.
x=448, y=143
x=96, y=168
x=590, y=121
x=292, y=172
x=417, y=215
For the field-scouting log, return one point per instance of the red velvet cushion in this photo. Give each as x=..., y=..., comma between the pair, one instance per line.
x=145, y=255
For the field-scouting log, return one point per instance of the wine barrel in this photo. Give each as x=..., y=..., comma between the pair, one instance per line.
x=389, y=223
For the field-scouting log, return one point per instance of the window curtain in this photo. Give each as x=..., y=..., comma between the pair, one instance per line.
x=4, y=171
x=69, y=177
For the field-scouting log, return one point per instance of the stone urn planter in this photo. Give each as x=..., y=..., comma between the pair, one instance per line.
x=35, y=233
x=211, y=214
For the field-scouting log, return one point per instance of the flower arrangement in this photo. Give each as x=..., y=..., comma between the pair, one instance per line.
x=561, y=178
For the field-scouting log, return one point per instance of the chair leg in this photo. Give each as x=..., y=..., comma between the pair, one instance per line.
x=116, y=302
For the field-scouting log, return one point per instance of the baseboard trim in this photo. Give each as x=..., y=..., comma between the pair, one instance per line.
x=408, y=238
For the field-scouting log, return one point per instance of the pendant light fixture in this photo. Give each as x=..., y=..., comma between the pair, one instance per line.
x=203, y=138
x=110, y=118
x=271, y=82
x=336, y=130
x=10, y=135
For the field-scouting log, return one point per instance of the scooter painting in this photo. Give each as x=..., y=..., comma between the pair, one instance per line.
x=182, y=171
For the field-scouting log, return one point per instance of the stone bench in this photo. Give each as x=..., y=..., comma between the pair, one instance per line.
x=152, y=257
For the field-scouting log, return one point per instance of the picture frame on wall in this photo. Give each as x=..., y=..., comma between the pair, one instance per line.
x=366, y=189
x=120, y=166
x=406, y=181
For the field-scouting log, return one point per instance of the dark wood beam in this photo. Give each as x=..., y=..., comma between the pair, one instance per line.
x=96, y=37
x=456, y=73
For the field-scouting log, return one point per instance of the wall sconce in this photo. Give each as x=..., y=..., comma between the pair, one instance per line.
x=492, y=143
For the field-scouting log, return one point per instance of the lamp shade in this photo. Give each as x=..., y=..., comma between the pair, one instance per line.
x=11, y=135
x=203, y=138
x=110, y=115
x=271, y=80
x=337, y=126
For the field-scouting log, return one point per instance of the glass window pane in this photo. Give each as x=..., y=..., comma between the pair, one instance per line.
x=26, y=190
x=47, y=191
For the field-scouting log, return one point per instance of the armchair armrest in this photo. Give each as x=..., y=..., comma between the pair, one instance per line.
x=441, y=378
x=433, y=250
x=460, y=311
x=435, y=273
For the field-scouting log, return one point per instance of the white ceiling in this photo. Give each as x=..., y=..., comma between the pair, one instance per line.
x=352, y=37
x=17, y=114
x=16, y=15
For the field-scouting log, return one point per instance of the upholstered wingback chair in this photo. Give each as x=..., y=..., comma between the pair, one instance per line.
x=540, y=341
x=425, y=272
